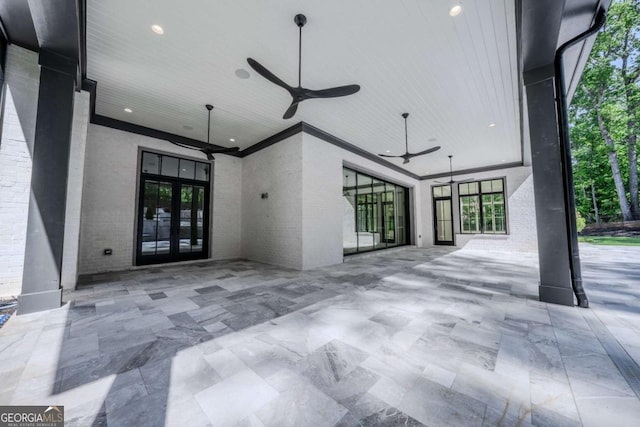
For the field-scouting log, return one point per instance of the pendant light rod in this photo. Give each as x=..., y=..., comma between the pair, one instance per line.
x=406, y=135
x=209, y=107
x=300, y=20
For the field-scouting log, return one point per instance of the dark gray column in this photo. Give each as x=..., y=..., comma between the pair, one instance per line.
x=50, y=165
x=553, y=247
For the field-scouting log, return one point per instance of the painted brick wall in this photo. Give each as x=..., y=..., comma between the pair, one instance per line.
x=81, y=109
x=323, y=203
x=18, y=129
x=110, y=198
x=272, y=227
x=520, y=213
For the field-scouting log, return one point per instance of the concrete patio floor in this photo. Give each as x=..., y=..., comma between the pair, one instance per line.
x=414, y=337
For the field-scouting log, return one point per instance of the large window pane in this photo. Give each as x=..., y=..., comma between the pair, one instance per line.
x=469, y=214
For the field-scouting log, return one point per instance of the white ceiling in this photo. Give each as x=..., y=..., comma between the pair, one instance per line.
x=454, y=75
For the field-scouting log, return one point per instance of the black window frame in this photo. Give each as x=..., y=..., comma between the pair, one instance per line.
x=479, y=195
x=175, y=182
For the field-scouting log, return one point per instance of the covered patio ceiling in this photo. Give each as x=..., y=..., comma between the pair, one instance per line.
x=456, y=76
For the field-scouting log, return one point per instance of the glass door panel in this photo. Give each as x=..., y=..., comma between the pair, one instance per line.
x=191, y=218
x=156, y=218
x=349, y=229
x=172, y=221
x=401, y=221
x=389, y=215
x=186, y=215
x=443, y=222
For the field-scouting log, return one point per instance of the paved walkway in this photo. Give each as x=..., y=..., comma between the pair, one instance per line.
x=415, y=337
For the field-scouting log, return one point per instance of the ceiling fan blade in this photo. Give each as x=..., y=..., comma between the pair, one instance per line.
x=291, y=111
x=465, y=180
x=221, y=150
x=388, y=155
x=190, y=147
x=333, y=92
x=268, y=74
x=430, y=150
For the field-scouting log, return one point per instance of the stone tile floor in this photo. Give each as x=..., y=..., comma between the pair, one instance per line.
x=416, y=337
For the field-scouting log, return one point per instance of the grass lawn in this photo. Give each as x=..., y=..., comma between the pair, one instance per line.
x=610, y=240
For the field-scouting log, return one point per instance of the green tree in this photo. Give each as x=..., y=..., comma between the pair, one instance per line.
x=604, y=119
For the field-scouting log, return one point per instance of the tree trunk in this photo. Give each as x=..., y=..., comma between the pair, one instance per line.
x=595, y=202
x=629, y=78
x=615, y=169
x=633, y=176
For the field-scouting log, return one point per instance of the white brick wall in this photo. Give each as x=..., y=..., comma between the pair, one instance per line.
x=109, y=199
x=81, y=107
x=520, y=213
x=18, y=129
x=272, y=228
x=226, y=241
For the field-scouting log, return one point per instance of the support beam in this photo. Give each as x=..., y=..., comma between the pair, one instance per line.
x=45, y=227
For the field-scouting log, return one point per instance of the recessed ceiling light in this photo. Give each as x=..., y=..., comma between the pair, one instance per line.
x=388, y=151
x=232, y=140
x=128, y=110
x=503, y=160
x=455, y=10
x=242, y=73
x=492, y=125
x=157, y=29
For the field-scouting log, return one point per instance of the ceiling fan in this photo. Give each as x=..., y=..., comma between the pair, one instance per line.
x=299, y=93
x=408, y=156
x=451, y=181
x=209, y=151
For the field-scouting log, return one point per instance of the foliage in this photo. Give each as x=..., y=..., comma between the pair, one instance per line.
x=580, y=222
x=604, y=120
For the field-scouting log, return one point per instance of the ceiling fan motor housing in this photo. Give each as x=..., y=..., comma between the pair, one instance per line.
x=300, y=20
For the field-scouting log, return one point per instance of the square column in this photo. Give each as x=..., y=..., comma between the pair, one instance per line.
x=551, y=215
x=47, y=203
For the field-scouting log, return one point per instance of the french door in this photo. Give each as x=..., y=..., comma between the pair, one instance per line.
x=173, y=218
x=442, y=216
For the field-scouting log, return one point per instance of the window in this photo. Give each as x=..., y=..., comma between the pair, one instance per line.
x=375, y=213
x=482, y=207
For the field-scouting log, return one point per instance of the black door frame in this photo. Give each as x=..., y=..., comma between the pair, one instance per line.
x=435, y=221
x=174, y=251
